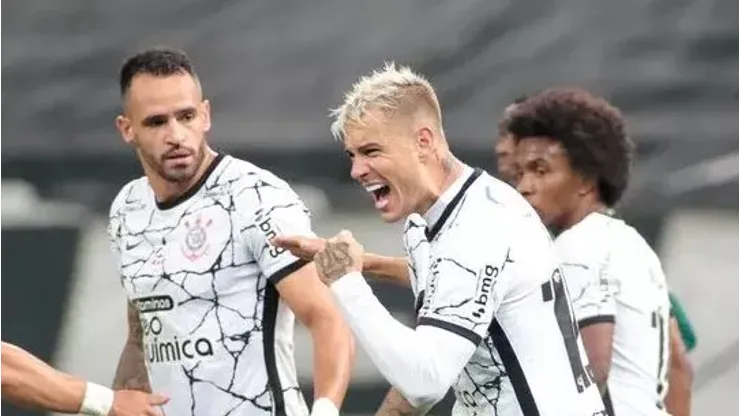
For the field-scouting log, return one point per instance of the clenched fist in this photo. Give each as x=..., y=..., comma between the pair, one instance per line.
x=341, y=254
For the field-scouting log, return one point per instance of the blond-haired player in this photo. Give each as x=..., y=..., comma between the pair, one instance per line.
x=493, y=318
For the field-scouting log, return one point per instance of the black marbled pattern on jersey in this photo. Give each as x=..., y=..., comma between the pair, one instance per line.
x=479, y=386
x=198, y=255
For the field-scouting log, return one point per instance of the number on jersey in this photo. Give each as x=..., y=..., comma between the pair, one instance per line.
x=554, y=290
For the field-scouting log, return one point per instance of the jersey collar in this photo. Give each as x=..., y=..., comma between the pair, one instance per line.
x=169, y=204
x=436, y=216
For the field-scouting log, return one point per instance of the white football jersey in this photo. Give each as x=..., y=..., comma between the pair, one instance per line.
x=614, y=276
x=217, y=337
x=483, y=266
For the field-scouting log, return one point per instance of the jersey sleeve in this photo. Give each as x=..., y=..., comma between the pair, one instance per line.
x=276, y=210
x=466, y=285
x=592, y=291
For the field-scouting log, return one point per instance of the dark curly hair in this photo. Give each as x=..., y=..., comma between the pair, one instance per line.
x=158, y=61
x=591, y=131
x=502, y=123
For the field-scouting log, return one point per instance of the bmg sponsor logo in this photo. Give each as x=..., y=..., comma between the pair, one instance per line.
x=483, y=292
x=264, y=223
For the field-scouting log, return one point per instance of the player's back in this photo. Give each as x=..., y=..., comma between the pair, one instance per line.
x=613, y=272
x=217, y=338
x=529, y=359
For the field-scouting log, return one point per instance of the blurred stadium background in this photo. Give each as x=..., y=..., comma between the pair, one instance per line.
x=271, y=70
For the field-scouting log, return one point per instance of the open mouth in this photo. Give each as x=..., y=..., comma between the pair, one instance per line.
x=380, y=193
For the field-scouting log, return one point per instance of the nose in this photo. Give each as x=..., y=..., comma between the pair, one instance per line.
x=524, y=185
x=359, y=168
x=175, y=132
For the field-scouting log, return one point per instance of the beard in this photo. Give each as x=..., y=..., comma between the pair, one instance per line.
x=174, y=170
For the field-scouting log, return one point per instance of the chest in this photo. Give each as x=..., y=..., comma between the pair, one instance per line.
x=196, y=251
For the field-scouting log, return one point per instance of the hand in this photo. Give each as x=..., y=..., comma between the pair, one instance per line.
x=136, y=403
x=342, y=255
x=301, y=247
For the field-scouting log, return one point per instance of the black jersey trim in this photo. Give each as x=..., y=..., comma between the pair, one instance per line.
x=269, y=318
x=607, y=399
x=286, y=271
x=419, y=303
x=431, y=233
x=513, y=369
x=598, y=319
x=455, y=329
x=171, y=203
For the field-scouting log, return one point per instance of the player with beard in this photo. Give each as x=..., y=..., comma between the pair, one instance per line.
x=573, y=162
x=212, y=303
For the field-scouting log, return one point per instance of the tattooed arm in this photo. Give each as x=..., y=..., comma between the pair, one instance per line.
x=395, y=404
x=420, y=363
x=132, y=372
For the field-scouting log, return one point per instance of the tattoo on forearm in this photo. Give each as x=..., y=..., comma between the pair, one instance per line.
x=132, y=372
x=333, y=262
x=395, y=404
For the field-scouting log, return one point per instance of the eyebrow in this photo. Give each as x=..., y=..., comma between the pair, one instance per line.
x=164, y=116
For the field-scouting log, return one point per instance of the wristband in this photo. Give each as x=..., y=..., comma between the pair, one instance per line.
x=98, y=400
x=324, y=407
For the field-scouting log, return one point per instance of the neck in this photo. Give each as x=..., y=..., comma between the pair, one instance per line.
x=165, y=190
x=587, y=207
x=441, y=179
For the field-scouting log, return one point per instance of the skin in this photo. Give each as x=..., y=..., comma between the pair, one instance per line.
x=505, y=158
x=166, y=121
x=30, y=383
x=680, y=375
x=564, y=197
x=409, y=153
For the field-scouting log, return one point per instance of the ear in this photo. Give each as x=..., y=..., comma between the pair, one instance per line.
x=425, y=142
x=205, y=112
x=587, y=186
x=125, y=127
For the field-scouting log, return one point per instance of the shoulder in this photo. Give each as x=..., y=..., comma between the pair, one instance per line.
x=493, y=208
x=254, y=183
x=589, y=241
x=132, y=197
x=260, y=195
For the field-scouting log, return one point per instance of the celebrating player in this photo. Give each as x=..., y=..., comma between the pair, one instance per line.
x=573, y=162
x=494, y=320
x=212, y=304
x=31, y=383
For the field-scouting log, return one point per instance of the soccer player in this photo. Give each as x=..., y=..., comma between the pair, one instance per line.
x=573, y=162
x=31, y=383
x=212, y=303
x=494, y=320
x=505, y=147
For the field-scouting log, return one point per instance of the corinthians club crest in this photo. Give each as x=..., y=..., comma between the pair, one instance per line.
x=196, y=239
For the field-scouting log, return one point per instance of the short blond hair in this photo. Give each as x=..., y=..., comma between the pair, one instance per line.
x=390, y=90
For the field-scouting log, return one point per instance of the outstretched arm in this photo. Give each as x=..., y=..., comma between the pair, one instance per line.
x=31, y=383
x=389, y=269
x=420, y=363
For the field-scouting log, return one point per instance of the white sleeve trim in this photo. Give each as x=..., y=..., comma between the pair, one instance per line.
x=422, y=364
